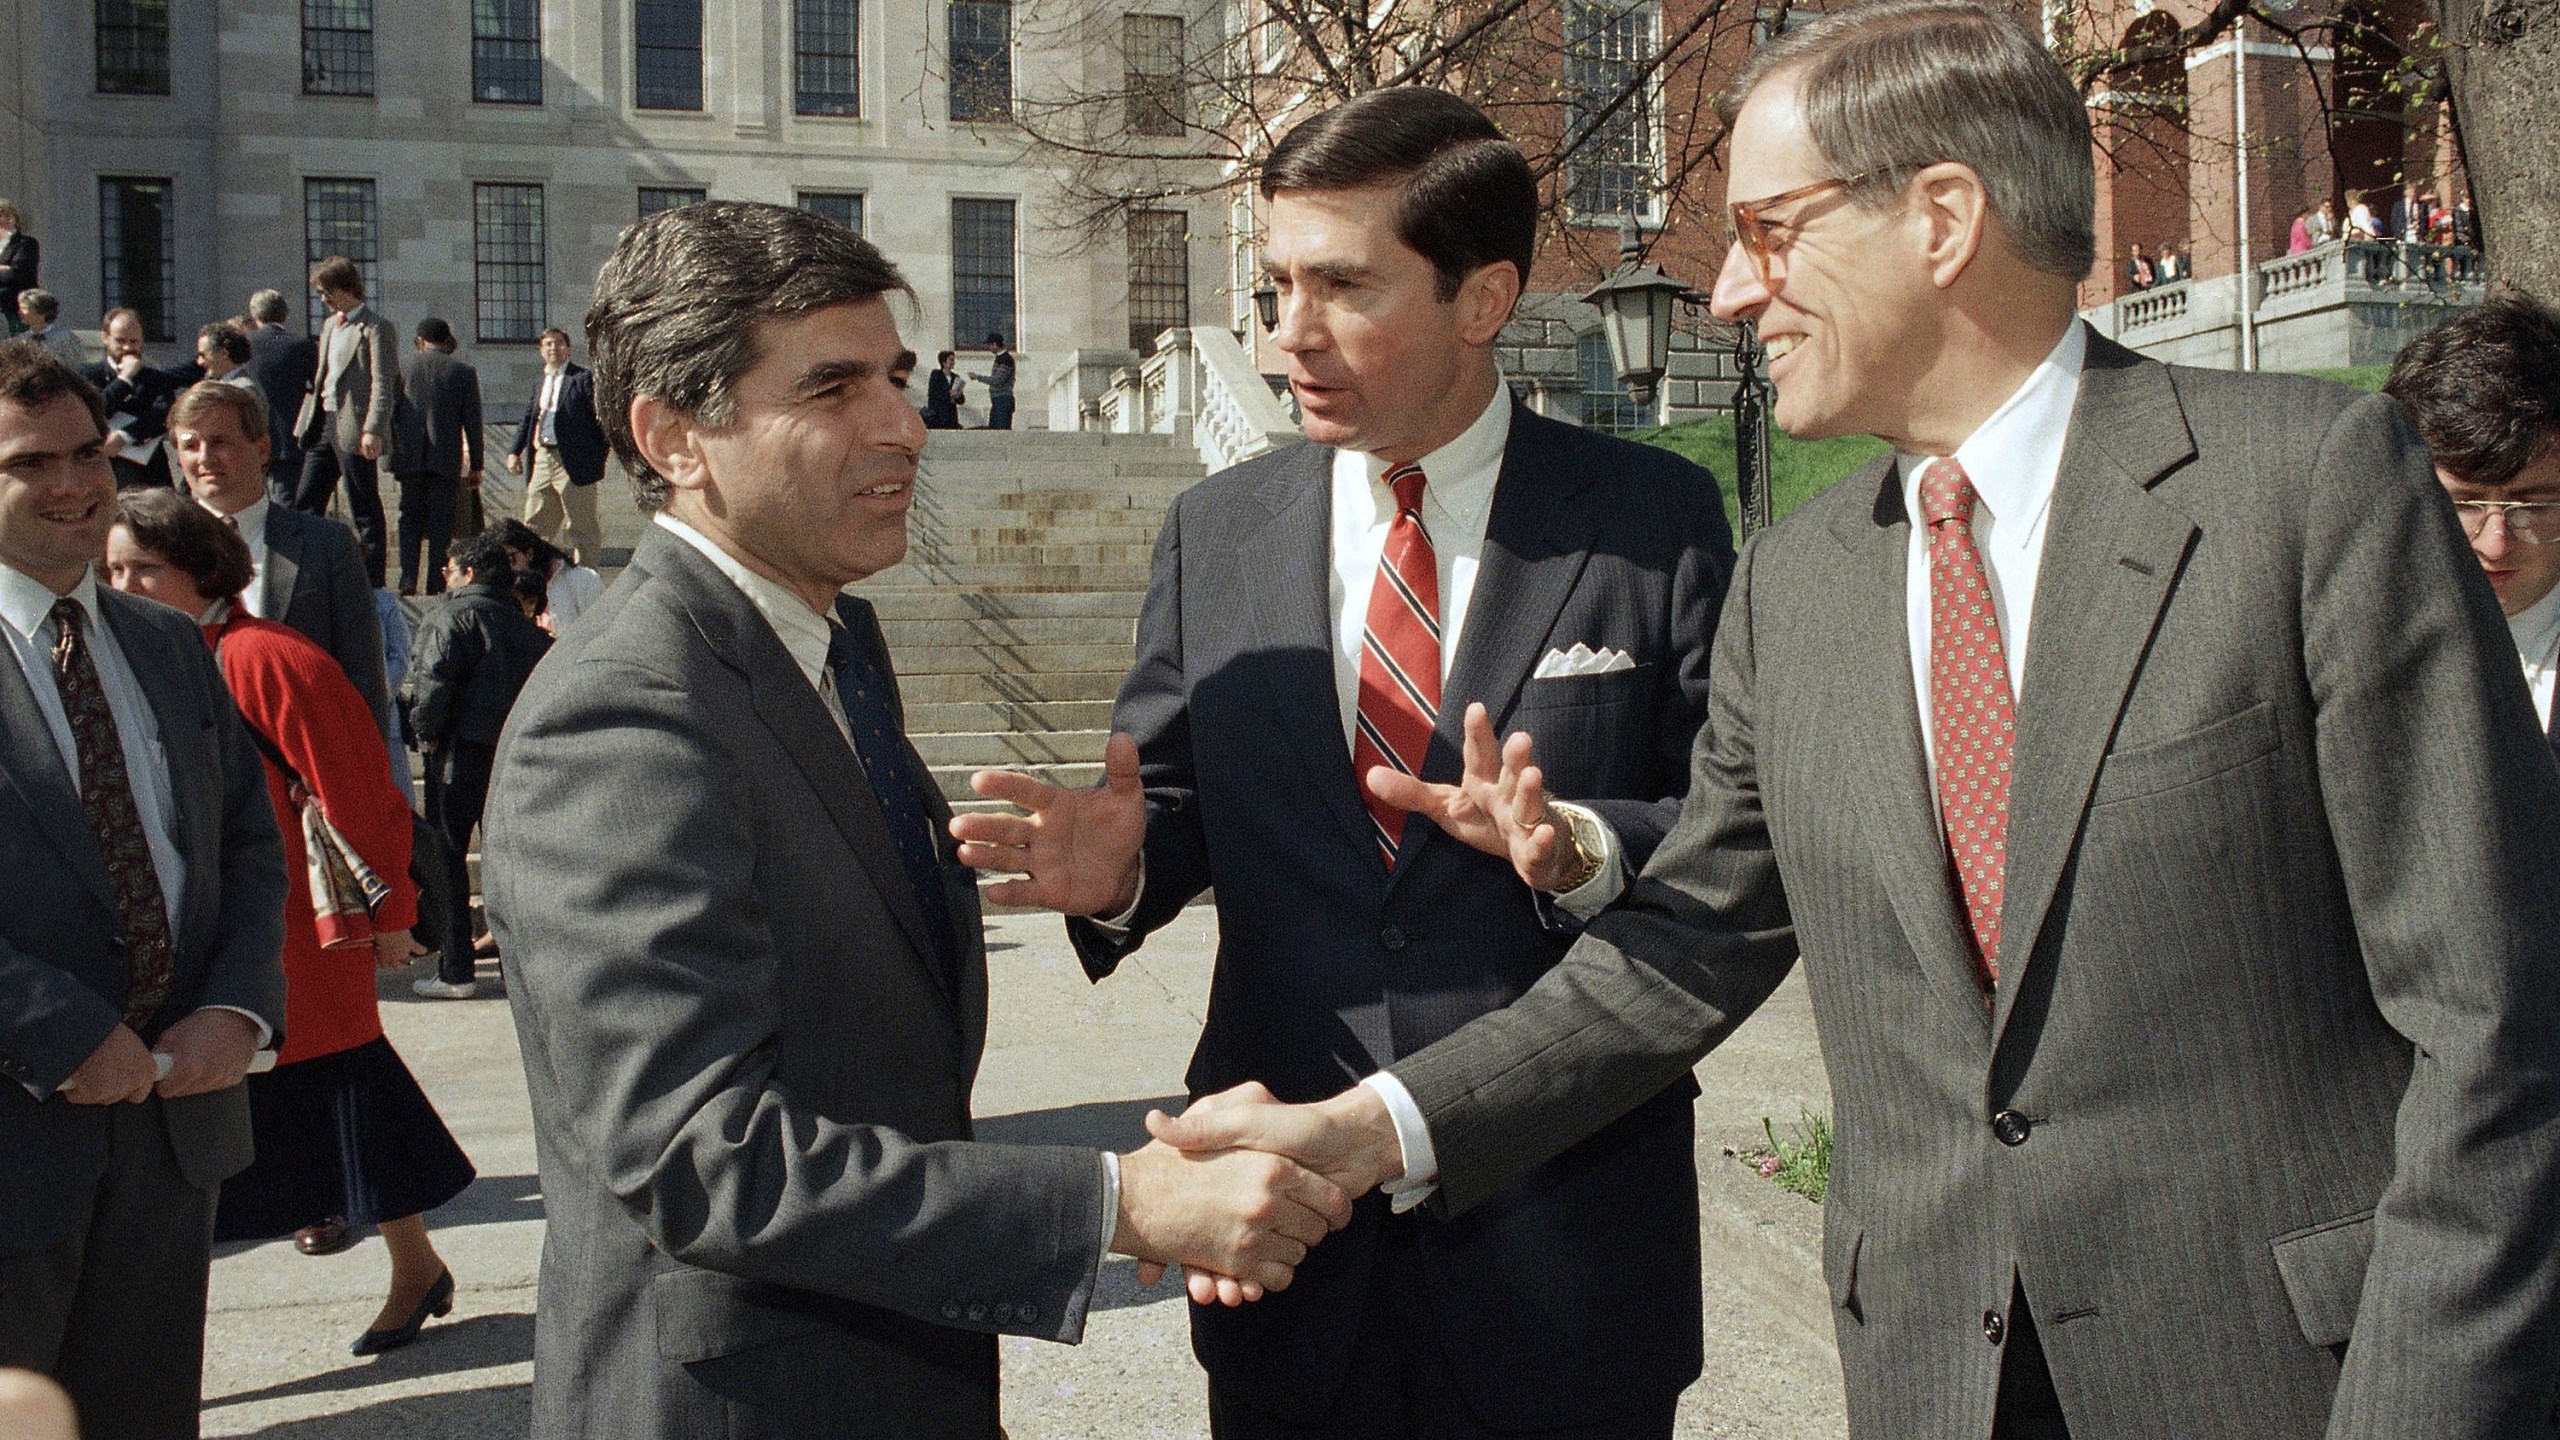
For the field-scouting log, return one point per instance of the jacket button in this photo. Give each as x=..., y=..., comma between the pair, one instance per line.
x=977, y=1314
x=1994, y=1329
x=1003, y=1313
x=1026, y=1313
x=1392, y=938
x=950, y=1310
x=2010, y=1126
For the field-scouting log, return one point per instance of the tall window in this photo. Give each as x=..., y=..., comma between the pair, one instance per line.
x=829, y=80
x=981, y=271
x=843, y=207
x=1152, y=71
x=133, y=47
x=339, y=218
x=136, y=248
x=1607, y=404
x=981, y=59
x=337, y=47
x=654, y=198
x=507, y=268
x=1607, y=43
x=667, y=58
x=506, y=52
x=1159, y=275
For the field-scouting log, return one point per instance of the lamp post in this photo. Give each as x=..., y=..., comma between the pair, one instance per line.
x=1635, y=314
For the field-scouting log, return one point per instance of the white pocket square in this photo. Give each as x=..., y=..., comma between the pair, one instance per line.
x=1582, y=660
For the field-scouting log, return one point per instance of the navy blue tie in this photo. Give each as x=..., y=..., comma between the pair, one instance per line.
x=863, y=692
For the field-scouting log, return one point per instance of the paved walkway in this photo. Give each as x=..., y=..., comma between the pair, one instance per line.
x=1065, y=1061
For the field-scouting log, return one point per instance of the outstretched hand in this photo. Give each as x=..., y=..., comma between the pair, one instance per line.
x=1242, y=1216
x=1349, y=1140
x=1076, y=849
x=1498, y=806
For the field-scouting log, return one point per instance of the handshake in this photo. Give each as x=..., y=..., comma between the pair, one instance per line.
x=1239, y=1187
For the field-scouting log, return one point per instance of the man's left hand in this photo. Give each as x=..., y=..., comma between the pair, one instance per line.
x=1498, y=806
x=369, y=445
x=209, y=1050
x=394, y=949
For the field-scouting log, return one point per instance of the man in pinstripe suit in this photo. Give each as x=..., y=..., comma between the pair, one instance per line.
x=2162, y=824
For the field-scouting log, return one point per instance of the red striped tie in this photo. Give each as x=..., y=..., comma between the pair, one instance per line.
x=1399, y=657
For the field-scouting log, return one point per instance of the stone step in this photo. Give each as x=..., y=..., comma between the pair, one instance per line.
x=1034, y=716
x=906, y=635
x=922, y=550
x=1015, y=660
x=953, y=780
x=936, y=603
x=931, y=688
x=923, y=532
x=1010, y=750
x=1013, y=576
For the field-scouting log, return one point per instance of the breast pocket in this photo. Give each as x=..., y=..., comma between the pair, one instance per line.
x=1585, y=692
x=2199, y=754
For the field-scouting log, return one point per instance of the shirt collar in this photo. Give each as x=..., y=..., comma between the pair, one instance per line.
x=251, y=520
x=26, y=603
x=2014, y=456
x=802, y=631
x=1459, y=475
x=2537, y=630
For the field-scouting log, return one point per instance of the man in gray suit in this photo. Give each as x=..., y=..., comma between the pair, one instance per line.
x=2185, y=981
x=308, y=573
x=747, y=974
x=146, y=915
x=436, y=451
x=344, y=427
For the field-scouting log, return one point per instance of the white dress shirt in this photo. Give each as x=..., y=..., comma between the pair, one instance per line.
x=807, y=635
x=252, y=525
x=2537, y=636
x=547, y=400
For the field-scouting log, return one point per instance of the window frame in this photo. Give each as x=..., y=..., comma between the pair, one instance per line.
x=861, y=206
x=972, y=335
x=366, y=198
x=1142, y=334
x=352, y=50
x=506, y=289
x=1638, y=177
x=849, y=107
x=1625, y=412
x=642, y=47
x=1151, y=96
x=489, y=50
x=151, y=76
x=668, y=197
x=988, y=64
x=114, y=279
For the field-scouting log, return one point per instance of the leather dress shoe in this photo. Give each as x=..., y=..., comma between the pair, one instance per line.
x=438, y=1302
x=326, y=1238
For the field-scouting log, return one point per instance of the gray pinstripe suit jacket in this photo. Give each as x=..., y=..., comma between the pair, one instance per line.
x=2277, y=1026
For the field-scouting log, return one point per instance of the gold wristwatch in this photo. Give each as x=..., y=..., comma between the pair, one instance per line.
x=1581, y=830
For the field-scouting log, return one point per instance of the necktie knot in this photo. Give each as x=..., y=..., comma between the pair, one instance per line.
x=1406, y=481
x=1946, y=493
x=69, y=617
x=843, y=651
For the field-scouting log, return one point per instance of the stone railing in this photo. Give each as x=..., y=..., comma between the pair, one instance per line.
x=2157, y=306
x=1077, y=388
x=2312, y=270
x=1200, y=387
x=1236, y=417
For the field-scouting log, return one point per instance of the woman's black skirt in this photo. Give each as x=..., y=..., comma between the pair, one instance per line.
x=346, y=1136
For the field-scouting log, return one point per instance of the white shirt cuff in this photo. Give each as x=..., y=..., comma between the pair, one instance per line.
x=1413, y=1138
x=1110, y=1209
x=1117, y=926
x=1593, y=895
x=266, y=1032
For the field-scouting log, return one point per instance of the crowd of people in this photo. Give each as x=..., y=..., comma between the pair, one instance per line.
x=2414, y=236
x=1517, y=787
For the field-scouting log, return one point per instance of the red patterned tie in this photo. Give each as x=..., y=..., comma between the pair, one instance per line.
x=106, y=791
x=1399, y=657
x=1972, y=716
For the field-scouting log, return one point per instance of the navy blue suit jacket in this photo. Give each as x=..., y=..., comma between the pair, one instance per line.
x=580, y=434
x=1329, y=969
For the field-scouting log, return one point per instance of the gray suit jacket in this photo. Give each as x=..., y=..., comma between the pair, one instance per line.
x=365, y=394
x=2266, y=1119
x=62, y=962
x=314, y=581
x=440, y=417
x=750, y=1081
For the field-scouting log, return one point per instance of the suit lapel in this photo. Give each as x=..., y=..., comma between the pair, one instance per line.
x=32, y=766
x=2112, y=553
x=1287, y=588
x=1889, y=772
x=1536, y=540
x=276, y=577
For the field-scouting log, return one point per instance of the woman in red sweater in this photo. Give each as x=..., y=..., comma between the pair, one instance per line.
x=343, y=1131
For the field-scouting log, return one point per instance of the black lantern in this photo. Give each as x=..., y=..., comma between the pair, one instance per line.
x=1266, y=304
x=1635, y=313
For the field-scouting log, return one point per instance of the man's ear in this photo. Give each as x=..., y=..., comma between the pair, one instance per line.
x=1954, y=213
x=671, y=441
x=1485, y=301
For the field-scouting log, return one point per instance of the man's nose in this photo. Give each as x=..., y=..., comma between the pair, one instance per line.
x=1739, y=295
x=2493, y=541
x=1298, y=329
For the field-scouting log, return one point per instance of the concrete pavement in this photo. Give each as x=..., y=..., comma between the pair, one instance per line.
x=1066, y=1060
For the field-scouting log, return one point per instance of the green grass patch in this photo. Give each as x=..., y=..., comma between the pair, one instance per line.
x=1800, y=1163
x=1802, y=468
x=2367, y=378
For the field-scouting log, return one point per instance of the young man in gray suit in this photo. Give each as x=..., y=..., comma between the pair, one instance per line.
x=139, y=950
x=748, y=979
x=1287, y=693
x=344, y=427
x=2183, y=961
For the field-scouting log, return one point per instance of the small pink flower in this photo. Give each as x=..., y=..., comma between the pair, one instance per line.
x=1769, y=1165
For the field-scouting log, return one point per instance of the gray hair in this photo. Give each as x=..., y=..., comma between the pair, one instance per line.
x=679, y=303
x=267, y=307
x=41, y=303
x=1890, y=87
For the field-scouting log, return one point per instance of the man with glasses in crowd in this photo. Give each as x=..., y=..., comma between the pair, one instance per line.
x=2484, y=388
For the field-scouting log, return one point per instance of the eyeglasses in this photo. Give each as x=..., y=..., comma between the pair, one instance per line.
x=2528, y=522
x=1752, y=225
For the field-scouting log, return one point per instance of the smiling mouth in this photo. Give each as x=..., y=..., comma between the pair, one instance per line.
x=1781, y=346
x=885, y=490
x=71, y=517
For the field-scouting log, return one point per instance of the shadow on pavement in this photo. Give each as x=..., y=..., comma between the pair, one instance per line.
x=1105, y=1124
x=497, y=1411
x=474, y=1342
x=491, y=1200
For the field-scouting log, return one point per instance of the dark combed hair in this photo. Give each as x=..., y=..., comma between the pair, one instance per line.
x=186, y=535
x=530, y=589
x=436, y=332
x=517, y=535
x=483, y=557
x=1468, y=199
x=226, y=340
x=31, y=376
x=680, y=302
x=2484, y=387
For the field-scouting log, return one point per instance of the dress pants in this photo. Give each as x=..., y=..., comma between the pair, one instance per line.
x=426, y=519
x=115, y=1310
x=1000, y=413
x=553, y=505
x=2028, y=1408
x=323, y=467
x=457, y=791
x=1400, y=1387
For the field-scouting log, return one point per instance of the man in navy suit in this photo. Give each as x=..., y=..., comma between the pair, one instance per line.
x=560, y=451
x=2484, y=388
x=139, y=949
x=284, y=365
x=1330, y=639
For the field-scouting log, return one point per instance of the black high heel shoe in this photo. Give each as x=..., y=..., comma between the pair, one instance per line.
x=438, y=1303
